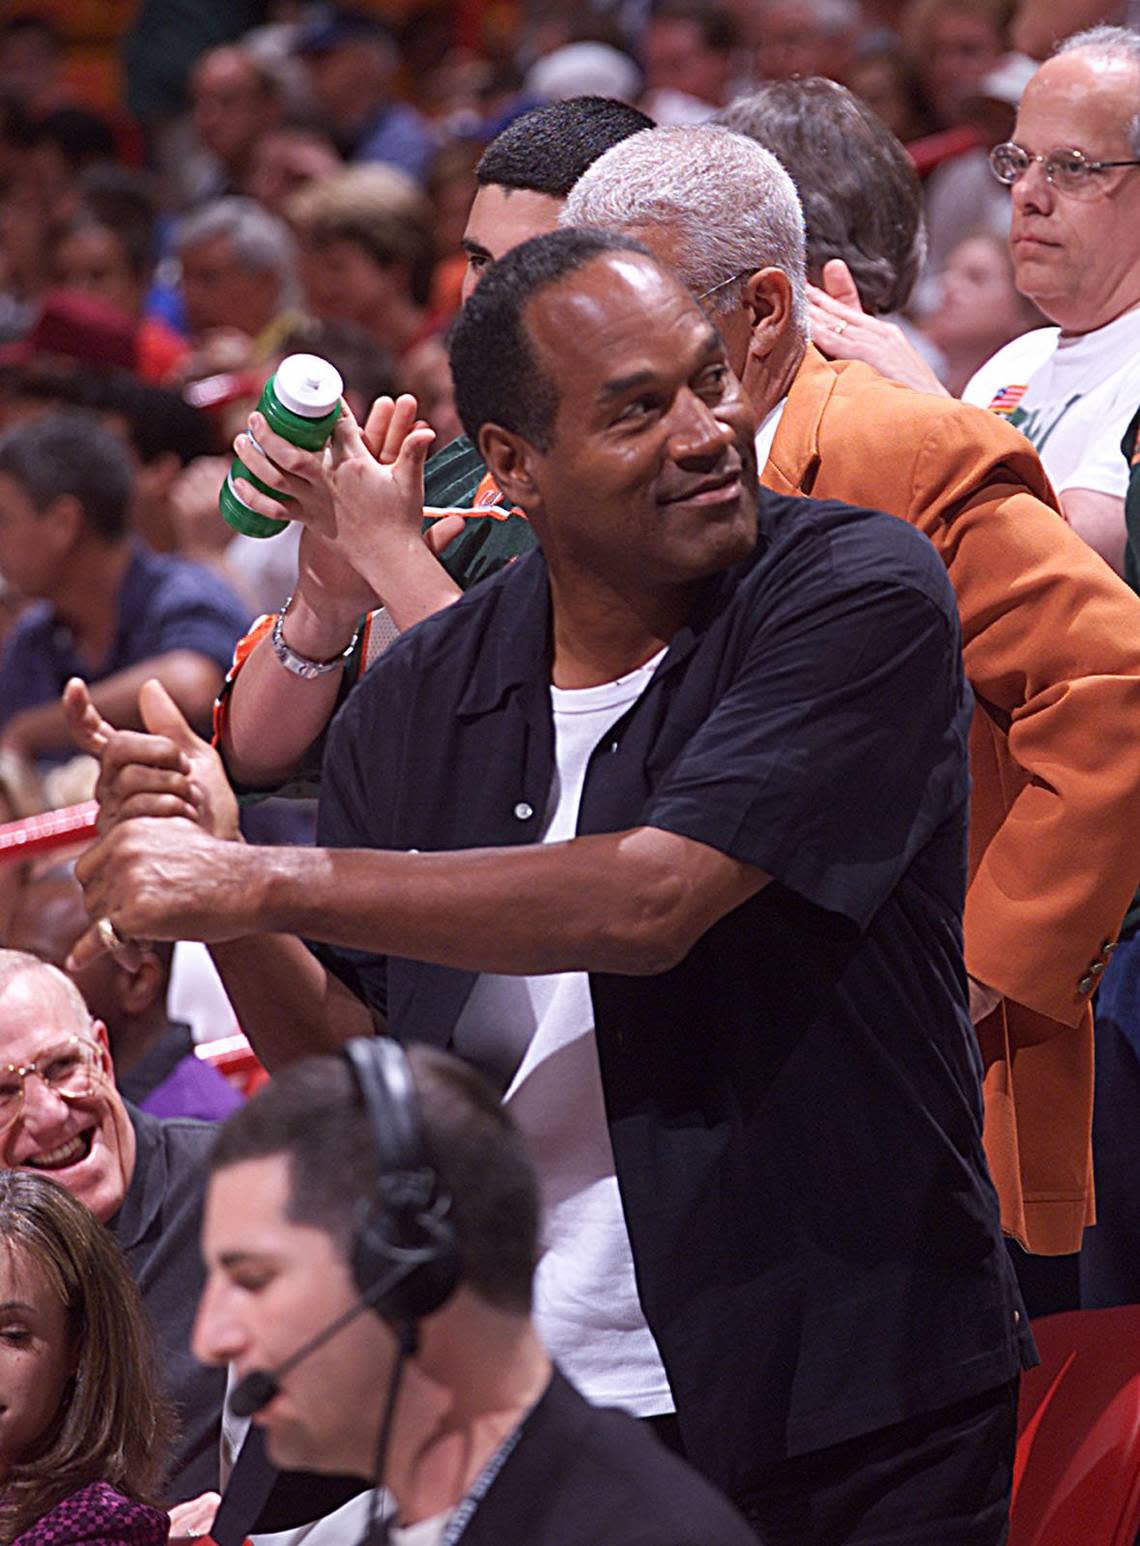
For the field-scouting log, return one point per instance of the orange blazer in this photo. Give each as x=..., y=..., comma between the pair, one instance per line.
x=1051, y=642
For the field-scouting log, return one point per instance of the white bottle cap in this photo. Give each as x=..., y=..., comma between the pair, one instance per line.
x=307, y=385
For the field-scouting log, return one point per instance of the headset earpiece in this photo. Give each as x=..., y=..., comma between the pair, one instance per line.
x=409, y=1222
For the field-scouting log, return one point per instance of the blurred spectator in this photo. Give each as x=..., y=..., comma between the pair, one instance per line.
x=885, y=79
x=367, y=253
x=586, y=68
x=352, y=61
x=689, y=52
x=62, y=145
x=980, y=308
x=32, y=63
x=238, y=278
x=73, y=328
x=1039, y=25
x=803, y=37
x=108, y=610
x=93, y=255
x=234, y=99
x=962, y=193
x=953, y=44
x=161, y=431
x=155, y=1064
x=285, y=159
x=451, y=186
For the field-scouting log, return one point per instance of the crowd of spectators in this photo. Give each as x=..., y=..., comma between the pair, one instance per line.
x=916, y=227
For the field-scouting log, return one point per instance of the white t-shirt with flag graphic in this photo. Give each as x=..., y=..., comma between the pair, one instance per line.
x=1071, y=396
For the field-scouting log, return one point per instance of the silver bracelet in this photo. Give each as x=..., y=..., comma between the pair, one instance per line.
x=302, y=665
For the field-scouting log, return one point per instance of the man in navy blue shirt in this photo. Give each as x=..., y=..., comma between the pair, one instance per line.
x=105, y=608
x=664, y=828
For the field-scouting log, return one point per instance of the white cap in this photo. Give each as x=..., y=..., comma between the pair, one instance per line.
x=583, y=69
x=307, y=385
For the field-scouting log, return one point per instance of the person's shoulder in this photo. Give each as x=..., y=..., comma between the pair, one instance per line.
x=867, y=406
x=98, y=1513
x=180, y=1138
x=640, y=1492
x=802, y=531
x=1012, y=365
x=169, y=580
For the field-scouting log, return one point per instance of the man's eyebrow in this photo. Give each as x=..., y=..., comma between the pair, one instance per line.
x=231, y=1259
x=622, y=384
x=474, y=249
x=711, y=343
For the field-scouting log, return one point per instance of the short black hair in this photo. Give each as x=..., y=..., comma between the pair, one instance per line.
x=548, y=149
x=312, y=1113
x=71, y=452
x=497, y=377
x=860, y=193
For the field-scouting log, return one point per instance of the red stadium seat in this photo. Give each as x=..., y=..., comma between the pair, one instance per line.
x=1076, y=1479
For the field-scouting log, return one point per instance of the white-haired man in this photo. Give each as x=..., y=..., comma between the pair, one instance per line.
x=1051, y=639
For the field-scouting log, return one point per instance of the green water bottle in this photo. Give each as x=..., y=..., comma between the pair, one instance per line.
x=301, y=402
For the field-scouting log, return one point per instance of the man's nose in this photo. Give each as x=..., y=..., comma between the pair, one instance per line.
x=43, y=1107
x=696, y=431
x=1033, y=190
x=217, y=1337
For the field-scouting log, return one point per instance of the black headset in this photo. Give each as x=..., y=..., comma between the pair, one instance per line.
x=408, y=1224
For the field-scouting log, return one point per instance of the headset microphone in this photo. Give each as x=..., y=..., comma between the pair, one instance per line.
x=258, y=1388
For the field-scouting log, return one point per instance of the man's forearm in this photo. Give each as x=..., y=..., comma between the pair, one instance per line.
x=287, y=1004
x=631, y=902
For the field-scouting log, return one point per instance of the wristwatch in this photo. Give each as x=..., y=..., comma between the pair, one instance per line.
x=303, y=665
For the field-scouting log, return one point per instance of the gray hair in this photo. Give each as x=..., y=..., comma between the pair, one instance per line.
x=731, y=204
x=262, y=243
x=861, y=197
x=1121, y=43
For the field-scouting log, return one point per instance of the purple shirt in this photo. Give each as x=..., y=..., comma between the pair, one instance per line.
x=172, y=1081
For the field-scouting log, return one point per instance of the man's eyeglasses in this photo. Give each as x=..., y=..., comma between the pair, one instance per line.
x=731, y=280
x=73, y=1068
x=1069, y=171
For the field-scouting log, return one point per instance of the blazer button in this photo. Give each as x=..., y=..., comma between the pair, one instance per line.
x=523, y=811
x=1097, y=967
x=1085, y=984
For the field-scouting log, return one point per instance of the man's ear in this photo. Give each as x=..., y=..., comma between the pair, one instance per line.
x=139, y=985
x=769, y=301
x=62, y=522
x=99, y=1032
x=512, y=462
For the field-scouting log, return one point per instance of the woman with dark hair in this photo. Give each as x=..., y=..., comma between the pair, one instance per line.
x=83, y=1430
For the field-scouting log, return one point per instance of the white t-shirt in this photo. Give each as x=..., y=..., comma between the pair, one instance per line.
x=534, y=1036
x=429, y=1532
x=1072, y=396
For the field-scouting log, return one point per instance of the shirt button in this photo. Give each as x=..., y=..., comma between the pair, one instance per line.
x=524, y=811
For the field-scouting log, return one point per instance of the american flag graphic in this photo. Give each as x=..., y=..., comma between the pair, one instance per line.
x=1007, y=399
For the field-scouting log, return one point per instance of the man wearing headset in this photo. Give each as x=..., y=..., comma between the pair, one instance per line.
x=396, y=1183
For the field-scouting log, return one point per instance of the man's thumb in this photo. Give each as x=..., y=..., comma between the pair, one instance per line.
x=162, y=716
